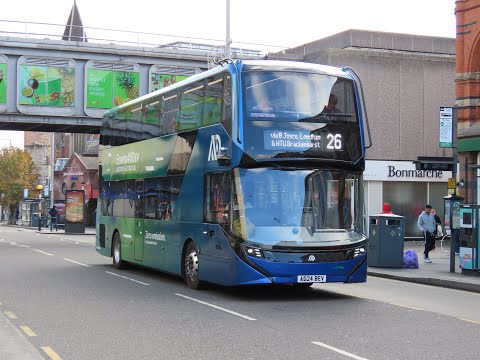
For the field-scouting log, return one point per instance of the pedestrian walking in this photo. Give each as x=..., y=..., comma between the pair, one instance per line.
x=427, y=224
x=53, y=212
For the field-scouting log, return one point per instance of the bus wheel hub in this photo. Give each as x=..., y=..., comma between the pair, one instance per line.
x=191, y=265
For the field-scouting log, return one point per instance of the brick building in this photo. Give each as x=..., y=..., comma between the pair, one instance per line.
x=468, y=90
x=38, y=145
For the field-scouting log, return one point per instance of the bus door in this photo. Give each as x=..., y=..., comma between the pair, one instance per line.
x=139, y=210
x=216, y=202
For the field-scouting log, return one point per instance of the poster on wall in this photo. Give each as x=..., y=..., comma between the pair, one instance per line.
x=3, y=83
x=46, y=85
x=108, y=88
x=159, y=81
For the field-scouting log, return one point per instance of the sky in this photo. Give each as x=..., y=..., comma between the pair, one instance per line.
x=278, y=23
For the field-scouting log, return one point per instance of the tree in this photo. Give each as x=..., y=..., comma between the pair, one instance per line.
x=17, y=172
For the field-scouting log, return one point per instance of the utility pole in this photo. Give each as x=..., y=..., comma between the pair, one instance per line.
x=52, y=166
x=228, y=40
x=453, y=236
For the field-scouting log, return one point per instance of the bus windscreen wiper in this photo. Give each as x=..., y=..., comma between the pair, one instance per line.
x=323, y=116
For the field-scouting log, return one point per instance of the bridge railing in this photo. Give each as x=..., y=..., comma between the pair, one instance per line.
x=39, y=30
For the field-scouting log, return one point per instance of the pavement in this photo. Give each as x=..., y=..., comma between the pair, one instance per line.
x=437, y=273
x=15, y=346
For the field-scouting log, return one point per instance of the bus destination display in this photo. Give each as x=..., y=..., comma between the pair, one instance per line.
x=298, y=140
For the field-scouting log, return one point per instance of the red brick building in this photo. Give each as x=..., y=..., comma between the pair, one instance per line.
x=467, y=80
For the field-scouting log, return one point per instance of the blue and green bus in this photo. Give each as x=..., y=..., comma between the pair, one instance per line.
x=246, y=174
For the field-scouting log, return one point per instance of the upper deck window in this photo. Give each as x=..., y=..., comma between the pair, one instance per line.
x=297, y=96
x=294, y=114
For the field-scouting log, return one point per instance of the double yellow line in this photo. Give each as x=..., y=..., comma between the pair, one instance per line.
x=29, y=332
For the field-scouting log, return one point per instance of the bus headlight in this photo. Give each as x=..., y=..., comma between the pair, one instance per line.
x=255, y=252
x=359, y=251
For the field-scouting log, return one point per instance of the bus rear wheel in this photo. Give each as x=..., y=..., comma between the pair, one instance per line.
x=190, y=266
x=118, y=263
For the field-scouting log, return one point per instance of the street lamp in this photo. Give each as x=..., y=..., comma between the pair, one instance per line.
x=39, y=188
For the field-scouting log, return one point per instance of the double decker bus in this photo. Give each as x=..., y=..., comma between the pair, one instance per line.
x=246, y=174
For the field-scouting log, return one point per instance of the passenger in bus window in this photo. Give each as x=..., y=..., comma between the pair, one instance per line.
x=168, y=213
x=162, y=207
x=331, y=107
x=263, y=105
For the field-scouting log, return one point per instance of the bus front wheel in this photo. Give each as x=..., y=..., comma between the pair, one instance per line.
x=190, y=266
x=118, y=263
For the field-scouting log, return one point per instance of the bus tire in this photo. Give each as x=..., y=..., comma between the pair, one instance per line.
x=190, y=266
x=118, y=263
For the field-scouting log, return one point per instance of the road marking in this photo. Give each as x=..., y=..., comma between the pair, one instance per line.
x=124, y=277
x=471, y=321
x=11, y=315
x=406, y=306
x=353, y=356
x=43, y=252
x=216, y=307
x=28, y=331
x=24, y=246
x=52, y=354
x=76, y=262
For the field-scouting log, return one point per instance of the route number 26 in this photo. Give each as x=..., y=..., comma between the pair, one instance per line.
x=334, y=141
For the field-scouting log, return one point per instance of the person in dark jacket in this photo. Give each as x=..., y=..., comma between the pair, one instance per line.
x=53, y=212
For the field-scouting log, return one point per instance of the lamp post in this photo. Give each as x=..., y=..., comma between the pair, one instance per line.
x=39, y=188
x=52, y=168
x=228, y=41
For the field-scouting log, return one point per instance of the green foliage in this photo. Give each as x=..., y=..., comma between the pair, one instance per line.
x=17, y=172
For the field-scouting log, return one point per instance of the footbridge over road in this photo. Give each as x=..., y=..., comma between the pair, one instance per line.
x=65, y=86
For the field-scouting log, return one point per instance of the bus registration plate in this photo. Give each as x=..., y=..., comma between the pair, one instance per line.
x=312, y=278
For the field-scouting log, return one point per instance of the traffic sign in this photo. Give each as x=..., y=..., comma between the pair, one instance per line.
x=446, y=127
x=451, y=183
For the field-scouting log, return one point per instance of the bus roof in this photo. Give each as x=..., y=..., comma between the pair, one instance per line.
x=251, y=65
x=295, y=65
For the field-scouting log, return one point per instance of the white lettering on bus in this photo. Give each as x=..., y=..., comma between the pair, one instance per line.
x=152, y=238
x=215, y=146
x=129, y=158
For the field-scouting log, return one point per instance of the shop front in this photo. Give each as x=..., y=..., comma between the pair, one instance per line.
x=407, y=190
